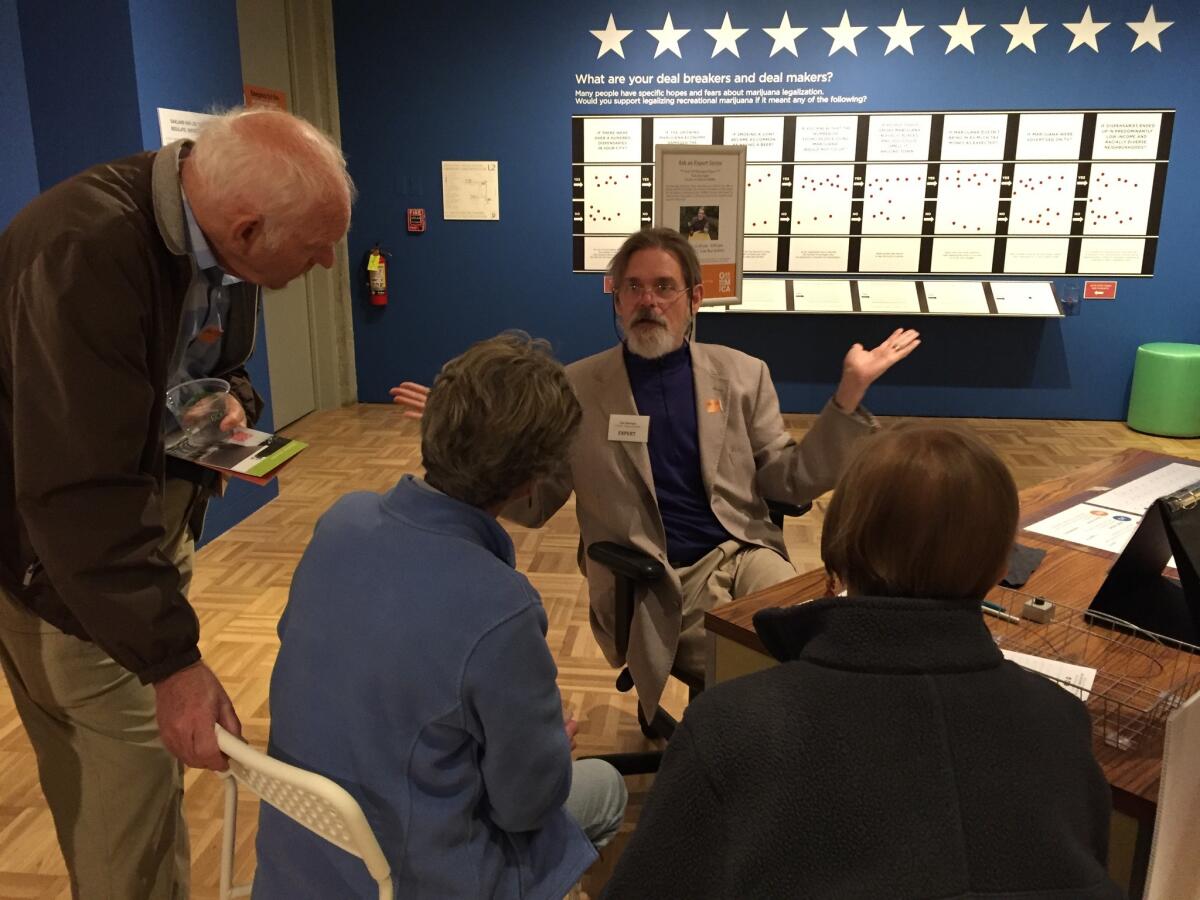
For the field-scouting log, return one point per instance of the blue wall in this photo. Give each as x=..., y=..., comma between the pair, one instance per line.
x=81, y=83
x=422, y=83
x=18, y=163
x=186, y=56
x=82, y=90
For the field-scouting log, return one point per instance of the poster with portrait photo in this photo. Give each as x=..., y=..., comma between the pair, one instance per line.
x=700, y=223
x=700, y=191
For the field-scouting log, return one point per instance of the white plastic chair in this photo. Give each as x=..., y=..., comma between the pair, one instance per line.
x=320, y=805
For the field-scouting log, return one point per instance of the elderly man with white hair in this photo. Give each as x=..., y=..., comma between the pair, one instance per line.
x=115, y=285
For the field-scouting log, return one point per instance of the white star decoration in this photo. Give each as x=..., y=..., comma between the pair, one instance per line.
x=784, y=36
x=668, y=37
x=610, y=38
x=900, y=34
x=843, y=34
x=961, y=33
x=1085, y=31
x=1022, y=32
x=725, y=37
x=1148, y=30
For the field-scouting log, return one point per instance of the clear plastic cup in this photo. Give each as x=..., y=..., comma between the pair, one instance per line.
x=198, y=407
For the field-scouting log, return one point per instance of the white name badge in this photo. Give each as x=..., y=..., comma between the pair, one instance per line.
x=629, y=428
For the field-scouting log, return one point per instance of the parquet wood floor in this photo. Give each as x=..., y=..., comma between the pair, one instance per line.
x=241, y=585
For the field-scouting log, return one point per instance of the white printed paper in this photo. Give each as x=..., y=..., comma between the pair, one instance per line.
x=888, y=296
x=1024, y=298
x=763, y=295
x=1137, y=495
x=822, y=296
x=957, y=297
x=175, y=124
x=612, y=140
x=1074, y=679
x=1090, y=526
x=471, y=190
x=632, y=428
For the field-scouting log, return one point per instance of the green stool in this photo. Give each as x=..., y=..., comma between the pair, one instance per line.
x=1166, y=390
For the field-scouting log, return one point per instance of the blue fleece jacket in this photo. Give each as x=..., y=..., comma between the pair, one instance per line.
x=413, y=670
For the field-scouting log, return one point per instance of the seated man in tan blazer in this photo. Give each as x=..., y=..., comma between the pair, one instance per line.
x=679, y=446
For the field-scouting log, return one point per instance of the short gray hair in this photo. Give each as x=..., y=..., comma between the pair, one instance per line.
x=667, y=239
x=497, y=417
x=272, y=163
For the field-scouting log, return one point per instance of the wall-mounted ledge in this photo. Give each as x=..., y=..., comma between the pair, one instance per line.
x=1029, y=299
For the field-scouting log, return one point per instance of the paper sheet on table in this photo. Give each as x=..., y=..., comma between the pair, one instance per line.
x=1074, y=679
x=1137, y=495
x=1174, y=864
x=1091, y=526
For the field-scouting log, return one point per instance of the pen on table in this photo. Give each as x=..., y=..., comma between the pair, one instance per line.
x=995, y=609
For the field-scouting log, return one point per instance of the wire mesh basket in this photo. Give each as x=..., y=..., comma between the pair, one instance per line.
x=1140, y=678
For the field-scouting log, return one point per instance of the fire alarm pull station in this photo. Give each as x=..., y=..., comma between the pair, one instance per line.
x=416, y=220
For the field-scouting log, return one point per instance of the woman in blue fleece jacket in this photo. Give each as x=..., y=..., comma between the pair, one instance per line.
x=413, y=668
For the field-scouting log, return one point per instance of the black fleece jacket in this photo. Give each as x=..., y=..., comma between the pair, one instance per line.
x=894, y=753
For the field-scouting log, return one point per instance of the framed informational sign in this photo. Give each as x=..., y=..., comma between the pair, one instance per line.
x=701, y=191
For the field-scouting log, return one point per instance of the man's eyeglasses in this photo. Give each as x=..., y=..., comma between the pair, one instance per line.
x=664, y=290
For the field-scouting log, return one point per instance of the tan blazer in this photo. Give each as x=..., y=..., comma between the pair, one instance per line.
x=746, y=455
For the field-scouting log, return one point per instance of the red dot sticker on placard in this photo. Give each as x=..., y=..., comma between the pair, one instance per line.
x=1099, y=290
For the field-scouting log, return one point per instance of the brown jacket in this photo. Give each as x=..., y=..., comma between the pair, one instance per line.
x=746, y=455
x=93, y=275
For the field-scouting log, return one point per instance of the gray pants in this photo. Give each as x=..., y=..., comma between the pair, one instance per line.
x=728, y=571
x=115, y=793
x=597, y=799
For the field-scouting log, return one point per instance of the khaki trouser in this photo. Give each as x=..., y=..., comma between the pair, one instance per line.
x=115, y=792
x=728, y=571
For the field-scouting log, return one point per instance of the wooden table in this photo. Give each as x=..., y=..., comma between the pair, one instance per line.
x=1069, y=576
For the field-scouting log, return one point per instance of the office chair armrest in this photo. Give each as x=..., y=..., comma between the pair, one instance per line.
x=778, y=510
x=626, y=562
x=630, y=568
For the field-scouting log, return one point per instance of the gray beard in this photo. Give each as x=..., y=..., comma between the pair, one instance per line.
x=653, y=343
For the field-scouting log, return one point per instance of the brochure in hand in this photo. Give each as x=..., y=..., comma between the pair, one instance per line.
x=253, y=456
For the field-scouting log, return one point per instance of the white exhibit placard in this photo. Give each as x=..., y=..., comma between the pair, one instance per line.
x=822, y=296
x=888, y=297
x=1025, y=298
x=957, y=193
x=683, y=130
x=961, y=298
x=612, y=140
x=176, y=124
x=700, y=191
x=471, y=190
x=764, y=295
x=973, y=136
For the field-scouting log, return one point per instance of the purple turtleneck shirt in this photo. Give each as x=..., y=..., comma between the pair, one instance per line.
x=664, y=390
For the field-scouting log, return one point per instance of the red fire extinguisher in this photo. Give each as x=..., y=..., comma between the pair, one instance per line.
x=377, y=276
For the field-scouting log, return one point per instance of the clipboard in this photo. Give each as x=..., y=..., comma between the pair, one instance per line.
x=1137, y=591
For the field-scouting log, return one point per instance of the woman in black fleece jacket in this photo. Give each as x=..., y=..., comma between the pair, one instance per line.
x=894, y=753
